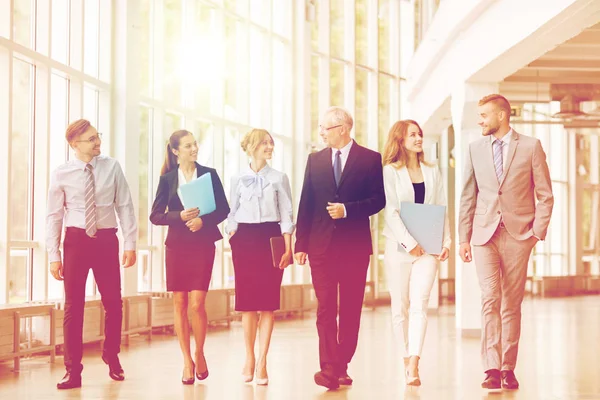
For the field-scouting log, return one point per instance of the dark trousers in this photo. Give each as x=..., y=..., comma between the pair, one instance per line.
x=346, y=270
x=101, y=254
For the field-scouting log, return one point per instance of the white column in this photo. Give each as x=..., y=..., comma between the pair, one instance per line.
x=464, y=118
x=125, y=108
x=5, y=136
x=304, y=16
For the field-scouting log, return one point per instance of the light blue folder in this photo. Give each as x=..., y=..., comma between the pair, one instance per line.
x=198, y=193
x=425, y=223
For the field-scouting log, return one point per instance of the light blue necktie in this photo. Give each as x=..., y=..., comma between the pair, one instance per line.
x=498, y=159
x=337, y=167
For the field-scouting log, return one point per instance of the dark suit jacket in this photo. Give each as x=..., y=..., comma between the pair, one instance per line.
x=361, y=192
x=167, y=208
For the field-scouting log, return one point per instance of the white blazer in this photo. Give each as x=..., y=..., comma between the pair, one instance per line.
x=398, y=188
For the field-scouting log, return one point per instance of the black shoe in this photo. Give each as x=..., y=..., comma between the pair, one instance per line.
x=325, y=378
x=69, y=381
x=344, y=379
x=115, y=371
x=492, y=380
x=509, y=380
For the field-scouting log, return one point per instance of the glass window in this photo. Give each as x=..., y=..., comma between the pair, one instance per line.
x=144, y=166
x=337, y=28
x=173, y=52
x=282, y=21
x=18, y=276
x=260, y=12
x=259, y=80
x=361, y=117
x=22, y=29
x=314, y=100
x=206, y=137
x=337, y=83
x=145, y=46
x=314, y=28
x=280, y=88
x=22, y=120
x=384, y=110
x=60, y=30
x=236, y=70
x=173, y=122
x=589, y=218
x=362, y=32
x=90, y=37
x=238, y=6
x=559, y=227
x=205, y=63
x=90, y=105
x=385, y=35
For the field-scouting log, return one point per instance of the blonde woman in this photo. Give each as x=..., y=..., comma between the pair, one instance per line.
x=261, y=208
x=410, y=271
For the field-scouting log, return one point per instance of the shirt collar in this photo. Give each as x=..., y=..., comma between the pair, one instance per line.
x=345, y=150
x=82, y=164
x=263, y=171
x=505, y=140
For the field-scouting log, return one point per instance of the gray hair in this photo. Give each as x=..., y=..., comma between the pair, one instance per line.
x=341, y=116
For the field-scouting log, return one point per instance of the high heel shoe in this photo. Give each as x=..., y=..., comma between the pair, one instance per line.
x=261, y=381
x=189, y=381
x=413, y=380
x=202, y=376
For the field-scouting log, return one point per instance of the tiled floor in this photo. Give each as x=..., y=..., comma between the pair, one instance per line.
x=559, y=358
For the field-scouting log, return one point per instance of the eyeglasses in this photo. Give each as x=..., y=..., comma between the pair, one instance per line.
x=323, y=128
x=93, y=140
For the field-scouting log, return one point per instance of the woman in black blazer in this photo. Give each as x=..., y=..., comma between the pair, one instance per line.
x=190, y=245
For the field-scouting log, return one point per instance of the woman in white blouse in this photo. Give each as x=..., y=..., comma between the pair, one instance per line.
x=410, y=271
x=261, y=208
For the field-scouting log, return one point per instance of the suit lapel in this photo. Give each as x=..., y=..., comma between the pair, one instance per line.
x=173, y=186
x=328, y=165
x=352, y=157
x=512, y=148
x=407, y=182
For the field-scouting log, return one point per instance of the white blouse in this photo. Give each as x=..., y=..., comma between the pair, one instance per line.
x=181, y=181
x=265, y=196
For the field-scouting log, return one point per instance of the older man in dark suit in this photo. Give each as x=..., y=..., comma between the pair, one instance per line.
x=343, y=187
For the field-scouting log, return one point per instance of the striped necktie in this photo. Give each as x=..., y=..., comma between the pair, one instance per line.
x=90, y=202
x=498, y=162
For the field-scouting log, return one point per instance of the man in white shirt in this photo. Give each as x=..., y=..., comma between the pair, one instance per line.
x=84, y=194
x=343, y=187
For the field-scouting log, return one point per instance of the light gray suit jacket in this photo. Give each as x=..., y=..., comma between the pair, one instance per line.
x=485, y=201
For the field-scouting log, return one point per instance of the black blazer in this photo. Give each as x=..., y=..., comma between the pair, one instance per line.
x=167, y=208
x=361, y=191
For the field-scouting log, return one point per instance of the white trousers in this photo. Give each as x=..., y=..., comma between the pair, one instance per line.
x=409, y=281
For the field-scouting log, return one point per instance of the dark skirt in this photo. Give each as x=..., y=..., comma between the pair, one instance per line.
x=257, y=281
x=190, y=267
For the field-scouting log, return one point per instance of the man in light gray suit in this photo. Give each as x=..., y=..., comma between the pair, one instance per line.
x=504, y=173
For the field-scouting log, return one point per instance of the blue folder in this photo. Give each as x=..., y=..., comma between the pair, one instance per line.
x=198, y=193
x=425, y=223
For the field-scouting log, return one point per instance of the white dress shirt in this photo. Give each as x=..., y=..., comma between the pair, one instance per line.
x=505, y=143
x=344, y=156
x=265, y=196
x=66, y=201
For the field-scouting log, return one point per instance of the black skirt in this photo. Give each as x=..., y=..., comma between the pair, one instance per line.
x=257, y=281
x=189, y=267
